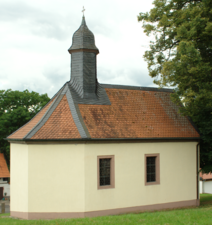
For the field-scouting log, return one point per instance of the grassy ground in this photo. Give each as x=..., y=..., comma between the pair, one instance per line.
x=189, y=216
x=205, y=199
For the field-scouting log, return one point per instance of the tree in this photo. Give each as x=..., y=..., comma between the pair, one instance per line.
x=16, y=109
x=181, y=56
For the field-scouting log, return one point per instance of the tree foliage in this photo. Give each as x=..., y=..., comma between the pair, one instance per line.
x=16, y=109
x=181, y=56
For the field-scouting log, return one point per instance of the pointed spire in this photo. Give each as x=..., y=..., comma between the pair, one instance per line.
x=83, y=17
x=83, y=21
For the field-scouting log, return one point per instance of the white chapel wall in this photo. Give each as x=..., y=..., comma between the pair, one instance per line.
x=56, y=181
x=63, y=177
x=19, y=177
x=177, y=167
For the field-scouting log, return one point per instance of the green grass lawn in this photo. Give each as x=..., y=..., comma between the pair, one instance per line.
x=205, y=199
x=188, y=216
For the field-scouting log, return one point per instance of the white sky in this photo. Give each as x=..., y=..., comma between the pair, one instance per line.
x=35, y=36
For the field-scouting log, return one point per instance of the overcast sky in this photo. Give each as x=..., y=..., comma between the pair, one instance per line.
x=35, y=36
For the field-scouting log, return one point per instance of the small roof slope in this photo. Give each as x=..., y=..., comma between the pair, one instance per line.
x=4, y=172
x=129, y=113
x=20, y=133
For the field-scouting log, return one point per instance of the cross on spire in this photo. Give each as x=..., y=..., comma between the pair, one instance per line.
x=83, y=10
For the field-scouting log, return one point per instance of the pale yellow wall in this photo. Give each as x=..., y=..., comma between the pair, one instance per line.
x=63, y=177
x=56, y=181
x=177, y=175
x=19, y=177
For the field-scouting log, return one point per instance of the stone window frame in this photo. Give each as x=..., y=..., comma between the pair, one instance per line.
x=112, y=172
x=157, y=168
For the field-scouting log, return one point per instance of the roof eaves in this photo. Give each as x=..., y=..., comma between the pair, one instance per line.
x=128, y=87
x=110, y=139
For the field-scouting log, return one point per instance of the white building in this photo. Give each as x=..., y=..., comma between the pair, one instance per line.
x=205, y=183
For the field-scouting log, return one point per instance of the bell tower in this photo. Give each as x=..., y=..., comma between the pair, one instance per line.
x=83, y=62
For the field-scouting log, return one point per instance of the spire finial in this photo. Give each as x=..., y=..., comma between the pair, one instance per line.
x=83, y=10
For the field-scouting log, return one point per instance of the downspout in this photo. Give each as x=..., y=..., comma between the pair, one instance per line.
x=197, y=171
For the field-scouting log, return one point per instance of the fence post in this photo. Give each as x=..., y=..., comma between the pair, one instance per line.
x=2, y=207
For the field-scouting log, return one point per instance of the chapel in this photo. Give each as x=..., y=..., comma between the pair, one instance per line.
x=102, y=149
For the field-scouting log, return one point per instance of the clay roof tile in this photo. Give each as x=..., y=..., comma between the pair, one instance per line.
x=4, y=172
x=132, y=113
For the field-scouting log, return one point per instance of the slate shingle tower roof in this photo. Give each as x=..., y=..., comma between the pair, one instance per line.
x=83, y=38
x=83, y=63
x=83, y=109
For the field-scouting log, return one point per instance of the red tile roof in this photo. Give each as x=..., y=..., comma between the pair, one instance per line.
x=136, y=114
x=4, y=172
x=205, y=176
x=23, y=131
x=60, y=124
x=133, y=113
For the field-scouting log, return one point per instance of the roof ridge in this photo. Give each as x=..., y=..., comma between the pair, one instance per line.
x=77, y=117
x=48, y=113
x=130, y=87
x=61, y=89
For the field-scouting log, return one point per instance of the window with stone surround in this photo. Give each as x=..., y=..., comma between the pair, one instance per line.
x=105, y=172
x=152, y=169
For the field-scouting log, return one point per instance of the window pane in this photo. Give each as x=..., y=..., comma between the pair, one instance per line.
x=151, y=172
x=148, y=177
x=104, y=171
x=107, y=180
x=152, y=177
x=152, y=169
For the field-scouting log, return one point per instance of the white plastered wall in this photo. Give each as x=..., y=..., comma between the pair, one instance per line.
x=200, y=187
x=177, y=175
x=47, y=178
x=63, y=177
x=206, y=186
x=19, y=177
x=56, y=181
x=6, y=188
